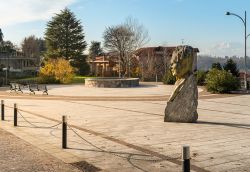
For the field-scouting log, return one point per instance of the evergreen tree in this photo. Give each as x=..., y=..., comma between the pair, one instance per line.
x=1, y=36
x=65, y=38
x=216, y=66
x=231, y=66
x=81, y=64
x=95, y=49
x=8, y=47
x=41, y=45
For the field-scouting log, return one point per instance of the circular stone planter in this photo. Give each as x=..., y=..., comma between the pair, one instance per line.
x=106, y=82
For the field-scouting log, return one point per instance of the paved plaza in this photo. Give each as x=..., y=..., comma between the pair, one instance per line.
x=122, y=129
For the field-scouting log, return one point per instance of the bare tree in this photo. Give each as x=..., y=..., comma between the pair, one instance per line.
x=33, y=47
x=155, y=62
x=149, y=64
x=124, y=39
x=139, y=34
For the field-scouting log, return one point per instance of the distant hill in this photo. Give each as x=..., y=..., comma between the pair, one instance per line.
x=205, y=62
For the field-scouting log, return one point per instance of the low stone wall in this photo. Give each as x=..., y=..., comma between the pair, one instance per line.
x=112, y=82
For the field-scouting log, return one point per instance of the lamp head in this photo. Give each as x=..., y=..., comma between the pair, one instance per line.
x=228, y=13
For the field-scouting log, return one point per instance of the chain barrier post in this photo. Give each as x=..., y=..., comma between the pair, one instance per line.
x=185, y=158
x=15, y=114
x=64, y=132
x=2, y=110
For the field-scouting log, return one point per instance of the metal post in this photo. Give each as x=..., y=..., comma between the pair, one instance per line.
x=129, y=63
x=2, y=109
x=64, y=132
x=185, y=159
x=15, y=114
x=142, y=74
x=6, y=76
x=245, y=77
x=119, y=66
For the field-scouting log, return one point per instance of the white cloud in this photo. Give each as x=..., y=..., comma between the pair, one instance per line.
x=19, y=11
x=225, y=49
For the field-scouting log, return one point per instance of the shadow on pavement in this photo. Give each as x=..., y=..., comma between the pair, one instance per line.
x=244, y=126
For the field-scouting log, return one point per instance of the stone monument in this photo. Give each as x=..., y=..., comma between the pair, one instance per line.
x=182, y=104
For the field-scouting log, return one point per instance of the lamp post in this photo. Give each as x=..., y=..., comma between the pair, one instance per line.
x=119, y=66
x=246, y=36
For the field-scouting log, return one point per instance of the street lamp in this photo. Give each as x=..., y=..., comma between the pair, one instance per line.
x=246, y=36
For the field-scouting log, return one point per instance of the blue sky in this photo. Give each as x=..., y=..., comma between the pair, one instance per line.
x=200, y=23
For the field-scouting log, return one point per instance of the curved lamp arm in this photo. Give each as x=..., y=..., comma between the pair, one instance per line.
x=228, y=13
x=247, y=35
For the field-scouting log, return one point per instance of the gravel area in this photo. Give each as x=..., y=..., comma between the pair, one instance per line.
x=20, y=156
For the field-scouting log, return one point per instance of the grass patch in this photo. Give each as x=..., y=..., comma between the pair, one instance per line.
x=79, y=79
x=75, y=80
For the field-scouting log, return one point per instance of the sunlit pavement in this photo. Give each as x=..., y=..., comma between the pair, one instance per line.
x=121, y=135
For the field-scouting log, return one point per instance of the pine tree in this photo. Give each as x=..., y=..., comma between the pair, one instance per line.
x=95, y=49
x=216, y=66
x=65, y=38
x=1, y=36
x=231, y=66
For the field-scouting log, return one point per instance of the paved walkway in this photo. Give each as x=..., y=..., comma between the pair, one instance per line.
x=131, y=135
x=19, y=156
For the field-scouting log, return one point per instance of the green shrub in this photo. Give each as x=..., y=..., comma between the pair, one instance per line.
x=168, y=78
x=201, y=77
x=221, y=81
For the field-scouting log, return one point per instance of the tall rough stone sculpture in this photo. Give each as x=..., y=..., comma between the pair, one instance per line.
x=182, y=104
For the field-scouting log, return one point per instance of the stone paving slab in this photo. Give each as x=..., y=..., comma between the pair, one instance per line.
x=219, y=141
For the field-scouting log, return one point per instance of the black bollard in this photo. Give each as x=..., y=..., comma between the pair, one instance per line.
x=185, y=159
x=15, y=114
x=64, y=132
x=2, y=110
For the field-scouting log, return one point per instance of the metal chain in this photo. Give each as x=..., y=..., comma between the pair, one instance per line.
x=86, y=140
x=8, y=106
x=102, y=150
x=53, y=126
x=115, y=154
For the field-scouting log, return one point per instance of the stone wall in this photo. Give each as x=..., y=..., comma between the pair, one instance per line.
x=112, y=82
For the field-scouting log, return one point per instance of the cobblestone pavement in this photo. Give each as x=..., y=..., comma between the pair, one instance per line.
x=19, y=156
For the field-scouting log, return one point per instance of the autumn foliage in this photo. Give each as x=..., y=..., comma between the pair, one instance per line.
x=56, y=71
